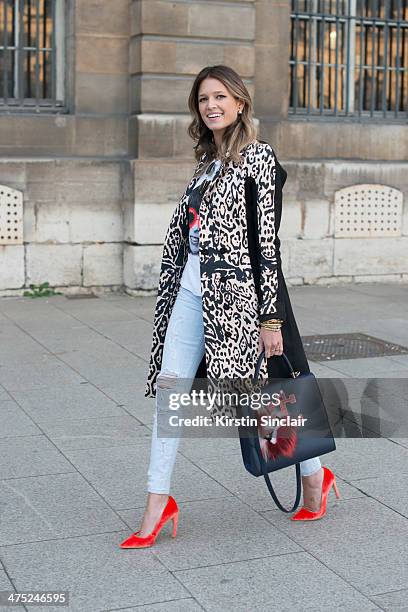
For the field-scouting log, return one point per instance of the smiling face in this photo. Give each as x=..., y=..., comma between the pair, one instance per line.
x=218, y=107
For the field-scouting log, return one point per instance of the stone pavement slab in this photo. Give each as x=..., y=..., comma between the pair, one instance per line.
x=94, y=311
x=96, y=433
x=380, y=367
x=389, y=489
x=6, y=585
x=32, y=455
x=4, y=395
x=178, y=605
x=16, y=347
x=131, y=397
x=50, y=371
x=30, y=513
x=143, y=307
x=400, y=441
x=14, y=422
x=134, y=335
x=326, y=369
x=363, y=541
x=393, y=600
x=288, y=583
x=391, y=329
x=32, y=314
x=65, y=402
x=367, y=457
x=119, y=474
x=104, y=372
x=58, y=341
x=96, y=572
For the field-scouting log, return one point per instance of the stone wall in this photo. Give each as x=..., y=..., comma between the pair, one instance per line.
x=100, y=225
x=72, y=224
x=101, y=179
x=310, y=252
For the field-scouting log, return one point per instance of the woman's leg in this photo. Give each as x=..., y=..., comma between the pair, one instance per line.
x=310, y=466
x=183, y=350
x=312, y=479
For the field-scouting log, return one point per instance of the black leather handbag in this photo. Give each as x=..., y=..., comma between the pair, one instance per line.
x=292, y=427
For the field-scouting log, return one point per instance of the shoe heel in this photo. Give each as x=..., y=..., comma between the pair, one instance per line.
x=336, y=489
x=175, y=524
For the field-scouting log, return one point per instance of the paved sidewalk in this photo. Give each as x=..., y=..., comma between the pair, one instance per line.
x=74, y=449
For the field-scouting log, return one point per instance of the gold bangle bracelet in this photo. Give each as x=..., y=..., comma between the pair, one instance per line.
x=272, y=321
x=272, y=327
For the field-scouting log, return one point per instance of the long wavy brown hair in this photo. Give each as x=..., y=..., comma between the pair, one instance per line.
x=238, y=135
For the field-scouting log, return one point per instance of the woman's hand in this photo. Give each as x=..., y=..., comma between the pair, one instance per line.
x=271, y=342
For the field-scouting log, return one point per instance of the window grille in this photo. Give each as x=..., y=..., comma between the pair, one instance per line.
x=31, y=55
x=349, y=58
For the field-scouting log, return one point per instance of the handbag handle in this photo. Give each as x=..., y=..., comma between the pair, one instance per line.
x=275, y=497
x=294, y=374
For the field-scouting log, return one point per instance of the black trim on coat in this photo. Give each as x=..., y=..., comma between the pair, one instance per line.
x=252, y=231
x=251, y=193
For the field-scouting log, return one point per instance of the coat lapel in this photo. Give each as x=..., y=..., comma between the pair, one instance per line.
x=226, y=171
x=212, y=187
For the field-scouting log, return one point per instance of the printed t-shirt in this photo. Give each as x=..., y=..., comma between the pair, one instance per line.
x=191, y=277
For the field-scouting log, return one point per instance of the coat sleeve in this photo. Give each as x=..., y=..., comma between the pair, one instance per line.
x=264, y=173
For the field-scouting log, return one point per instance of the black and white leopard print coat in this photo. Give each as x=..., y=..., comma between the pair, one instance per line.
x=239, y=262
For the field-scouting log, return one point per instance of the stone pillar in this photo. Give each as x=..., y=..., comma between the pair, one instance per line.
x=101, y=71
x=170, y=43
x=100, y=79
x=272, y=54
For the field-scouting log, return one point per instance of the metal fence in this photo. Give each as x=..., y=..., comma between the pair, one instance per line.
x=349, y=58
x=31, y=55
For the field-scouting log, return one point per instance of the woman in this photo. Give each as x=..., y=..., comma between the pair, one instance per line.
x=213, y=314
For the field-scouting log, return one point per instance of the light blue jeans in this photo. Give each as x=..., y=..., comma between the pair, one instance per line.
x=182, y=353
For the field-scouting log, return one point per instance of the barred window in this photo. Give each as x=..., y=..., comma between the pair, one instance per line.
x=349, y=58
x=31, y=55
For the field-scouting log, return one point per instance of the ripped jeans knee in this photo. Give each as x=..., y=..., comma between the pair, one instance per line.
x=167, y=393
x=166, y=379
x=168, y=385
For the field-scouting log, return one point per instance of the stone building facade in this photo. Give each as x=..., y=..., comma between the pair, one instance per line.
x=99, y=175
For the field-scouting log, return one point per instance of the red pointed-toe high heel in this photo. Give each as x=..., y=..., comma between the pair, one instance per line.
x=169, y=513
x=329, y=481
